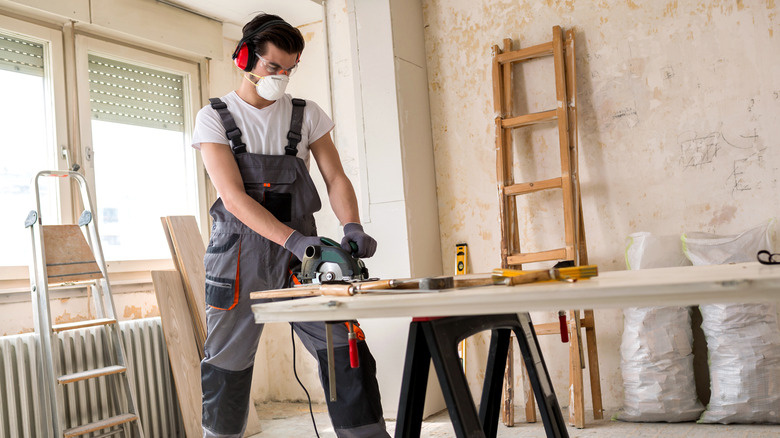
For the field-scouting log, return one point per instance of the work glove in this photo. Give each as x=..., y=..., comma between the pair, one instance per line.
x=366, y=245
x=297, y=243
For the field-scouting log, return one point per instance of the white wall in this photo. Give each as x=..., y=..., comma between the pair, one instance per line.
x=678, y=102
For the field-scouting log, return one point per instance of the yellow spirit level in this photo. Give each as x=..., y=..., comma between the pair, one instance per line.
x=461, y=257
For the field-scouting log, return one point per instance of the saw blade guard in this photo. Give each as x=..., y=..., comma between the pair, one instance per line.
x=331, y=263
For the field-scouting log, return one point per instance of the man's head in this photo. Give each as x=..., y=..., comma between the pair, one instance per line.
x=264, y=29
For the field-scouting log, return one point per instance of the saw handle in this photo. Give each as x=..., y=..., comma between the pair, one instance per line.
x=330, y=242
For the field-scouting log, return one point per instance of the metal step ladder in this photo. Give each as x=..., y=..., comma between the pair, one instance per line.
x=64, y=256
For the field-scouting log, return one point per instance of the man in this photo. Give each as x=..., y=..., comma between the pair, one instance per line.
x=255, y=144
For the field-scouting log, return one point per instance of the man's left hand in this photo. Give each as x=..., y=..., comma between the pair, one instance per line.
x=366, y=245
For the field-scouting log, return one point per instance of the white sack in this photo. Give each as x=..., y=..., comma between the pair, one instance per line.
x=656, y=349
x=742, y=339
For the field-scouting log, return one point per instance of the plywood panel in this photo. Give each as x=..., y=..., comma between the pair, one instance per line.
x=182, y=350
x=187, y=251
x=68, y=256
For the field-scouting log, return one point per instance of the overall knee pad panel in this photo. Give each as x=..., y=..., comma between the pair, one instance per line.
x=225, y=398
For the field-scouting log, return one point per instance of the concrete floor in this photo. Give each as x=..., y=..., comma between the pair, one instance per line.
x=281, y=420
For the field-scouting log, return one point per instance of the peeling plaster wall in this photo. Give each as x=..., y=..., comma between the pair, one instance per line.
x=132, y=303
x=678, y=104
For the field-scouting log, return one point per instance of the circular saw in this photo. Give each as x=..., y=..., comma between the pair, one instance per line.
x=330, y=263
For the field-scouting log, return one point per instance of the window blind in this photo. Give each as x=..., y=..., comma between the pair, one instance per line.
x=21, y=56
x=125, y=93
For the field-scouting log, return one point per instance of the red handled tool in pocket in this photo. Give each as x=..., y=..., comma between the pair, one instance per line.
x=564, y=326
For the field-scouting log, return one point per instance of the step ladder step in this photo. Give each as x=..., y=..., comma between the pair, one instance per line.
x=82, y=324
x=530, y=187
x=529, y=119
x=91, y=374
x=98, y=425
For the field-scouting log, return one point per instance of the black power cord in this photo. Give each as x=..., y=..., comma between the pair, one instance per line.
x=292, y=335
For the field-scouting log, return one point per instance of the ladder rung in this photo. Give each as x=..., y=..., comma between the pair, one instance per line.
x=91, y=374
x=82, y=324
x=529, y=119
x=554, y=328
x=101, y=424
x=525, y=188
x=537, y=51
x=542, y=256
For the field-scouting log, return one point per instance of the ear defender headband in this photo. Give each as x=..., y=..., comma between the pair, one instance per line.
x=244, y=56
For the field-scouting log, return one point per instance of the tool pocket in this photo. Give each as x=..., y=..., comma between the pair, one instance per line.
x=222, y=263
x=273, y=189
x=279, y=205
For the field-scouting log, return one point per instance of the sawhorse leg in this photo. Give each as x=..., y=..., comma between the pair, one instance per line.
x=437, y=340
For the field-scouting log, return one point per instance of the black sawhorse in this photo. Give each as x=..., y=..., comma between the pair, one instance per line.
x=437, y=339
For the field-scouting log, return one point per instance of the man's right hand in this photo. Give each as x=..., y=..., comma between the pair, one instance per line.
x=297, y=243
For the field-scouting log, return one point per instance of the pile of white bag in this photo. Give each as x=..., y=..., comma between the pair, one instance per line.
x=656, y=354
x=743, y=340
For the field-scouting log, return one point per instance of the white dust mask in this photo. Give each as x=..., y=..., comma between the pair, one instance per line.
x=271, y=87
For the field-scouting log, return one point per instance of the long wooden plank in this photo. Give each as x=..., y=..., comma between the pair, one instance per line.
x=188, y=250
x=181, y=345
x=677, y=286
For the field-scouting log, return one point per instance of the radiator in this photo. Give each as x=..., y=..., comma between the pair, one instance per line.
x=86, y=401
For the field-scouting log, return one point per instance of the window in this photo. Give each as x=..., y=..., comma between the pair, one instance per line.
x=130, y=113
x=28, y=74
x=143, y=164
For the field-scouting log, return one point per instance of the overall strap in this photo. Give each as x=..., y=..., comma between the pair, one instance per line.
x=231, y=130
x=294, y=135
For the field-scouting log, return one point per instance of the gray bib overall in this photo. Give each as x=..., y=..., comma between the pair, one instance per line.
x=239, y=261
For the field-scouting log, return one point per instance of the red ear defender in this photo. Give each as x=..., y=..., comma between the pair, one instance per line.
x=244, y=56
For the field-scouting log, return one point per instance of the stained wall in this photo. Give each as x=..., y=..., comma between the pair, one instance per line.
x=678, y=103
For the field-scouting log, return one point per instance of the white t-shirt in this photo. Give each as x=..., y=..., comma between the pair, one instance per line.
x=264, y=131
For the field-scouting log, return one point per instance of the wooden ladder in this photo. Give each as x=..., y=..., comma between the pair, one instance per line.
x=64, y=256
x=561, y=49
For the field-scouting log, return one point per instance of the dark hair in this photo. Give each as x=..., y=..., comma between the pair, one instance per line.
x=280, y=33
